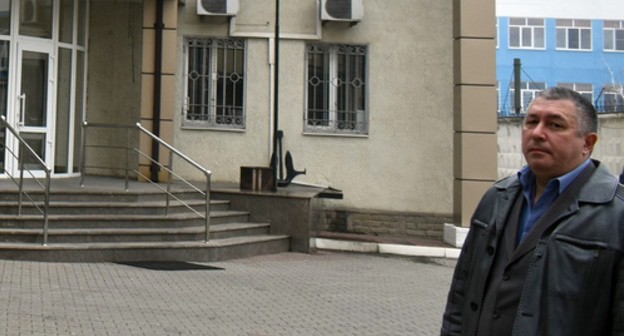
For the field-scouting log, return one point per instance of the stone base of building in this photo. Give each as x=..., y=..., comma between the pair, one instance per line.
x=420, y=225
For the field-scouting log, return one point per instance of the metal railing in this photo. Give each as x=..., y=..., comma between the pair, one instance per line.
x=127, y=166
x=25, y=151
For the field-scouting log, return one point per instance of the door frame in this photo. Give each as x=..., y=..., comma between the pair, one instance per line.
x=21, y=45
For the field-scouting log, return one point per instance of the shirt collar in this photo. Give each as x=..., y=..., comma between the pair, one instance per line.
x=527, y=178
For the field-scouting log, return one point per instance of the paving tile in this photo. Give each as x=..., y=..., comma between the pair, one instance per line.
x=325, y=293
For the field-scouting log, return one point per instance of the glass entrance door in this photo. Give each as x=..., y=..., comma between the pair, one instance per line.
x=33, y=107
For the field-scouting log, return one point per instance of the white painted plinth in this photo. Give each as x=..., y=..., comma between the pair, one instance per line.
x=455, y=235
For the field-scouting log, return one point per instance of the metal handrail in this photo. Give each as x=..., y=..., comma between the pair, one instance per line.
x=20, y=182
x=127, y=169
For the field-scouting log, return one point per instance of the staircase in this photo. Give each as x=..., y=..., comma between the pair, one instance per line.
x=102, y=222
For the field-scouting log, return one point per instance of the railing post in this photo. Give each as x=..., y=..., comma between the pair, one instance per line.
x=20, y=164
x=24, y=147
x=83, y=145
x=169, y=178
x=207, y=237
x=127, y=165
x=46, y=206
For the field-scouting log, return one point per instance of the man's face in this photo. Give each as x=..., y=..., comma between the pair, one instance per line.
x=551, y=143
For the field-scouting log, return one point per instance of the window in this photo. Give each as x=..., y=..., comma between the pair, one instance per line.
x=215, y=82
x=528, y=92
x=613, y=98
x=586, y=90
x=498, y=98
x=497, y=19
x=337, y=89
x=574, y=34
x=614, y=35
x=526, y=33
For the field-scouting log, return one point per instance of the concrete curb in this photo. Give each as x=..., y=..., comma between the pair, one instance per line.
x=398, y=249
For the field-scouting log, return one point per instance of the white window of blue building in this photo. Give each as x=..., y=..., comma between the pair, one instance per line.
x=574, y=34
x=613, y=35
x=613, y=98
x=586, y=90
x=214, y=83
x=528, y=92
x=337, y=84
x=526, y=33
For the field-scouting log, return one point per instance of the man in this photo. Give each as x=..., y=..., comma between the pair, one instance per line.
x=544, y=252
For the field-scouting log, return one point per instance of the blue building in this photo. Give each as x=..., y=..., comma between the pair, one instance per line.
x=578, y=44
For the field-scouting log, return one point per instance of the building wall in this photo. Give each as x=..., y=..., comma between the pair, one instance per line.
x=609, y=149
x=552, y=66
x=404, y=163
x=114, y=72
x=114, y=75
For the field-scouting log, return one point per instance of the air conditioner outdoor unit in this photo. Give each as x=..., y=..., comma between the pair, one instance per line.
x=217, y=7
x=342, y=10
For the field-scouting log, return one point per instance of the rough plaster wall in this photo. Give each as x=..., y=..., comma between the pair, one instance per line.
x=609, y=150
x=114, y=90
x=405, y=163
x=114, y=63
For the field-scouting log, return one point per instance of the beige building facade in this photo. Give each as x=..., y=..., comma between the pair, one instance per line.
x=392, y=102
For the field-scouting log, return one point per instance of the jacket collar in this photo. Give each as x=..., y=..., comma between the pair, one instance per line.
x=600, y=188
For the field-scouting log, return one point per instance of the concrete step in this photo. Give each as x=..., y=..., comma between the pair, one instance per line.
x=104, y=235
x=213, y=250
x=113, y=207
x=103, y=222
x=90, y=195
x=119, y=221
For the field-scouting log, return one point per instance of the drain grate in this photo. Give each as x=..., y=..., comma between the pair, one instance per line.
x=170, y=266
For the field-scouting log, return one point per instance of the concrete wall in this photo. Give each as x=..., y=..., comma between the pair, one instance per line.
x=114, y=73
x=404, y=164
x=114, y=61
x=609, y=150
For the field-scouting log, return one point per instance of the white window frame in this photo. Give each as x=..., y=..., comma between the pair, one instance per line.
x=527, y=89
x=613, y=98
x=574, y=31
x=498, y=98
x=611, y=30
x=497, y=34
x=527, y=29
x=335, y=105
x=214, y=92
x=585, y=89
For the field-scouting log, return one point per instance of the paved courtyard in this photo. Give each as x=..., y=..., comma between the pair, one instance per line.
x=324, y=293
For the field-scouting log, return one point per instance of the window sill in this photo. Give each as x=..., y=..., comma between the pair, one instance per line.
x=336, y=135
x=212, y=129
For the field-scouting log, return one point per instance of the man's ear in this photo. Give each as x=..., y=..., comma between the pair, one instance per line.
x=590, y=141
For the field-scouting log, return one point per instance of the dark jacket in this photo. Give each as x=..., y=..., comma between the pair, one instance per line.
x=574, y=283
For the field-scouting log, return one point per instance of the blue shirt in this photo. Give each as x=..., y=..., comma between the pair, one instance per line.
x=533, y=211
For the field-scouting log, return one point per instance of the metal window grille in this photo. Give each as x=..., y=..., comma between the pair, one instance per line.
x=337, y=89
x=215, y=80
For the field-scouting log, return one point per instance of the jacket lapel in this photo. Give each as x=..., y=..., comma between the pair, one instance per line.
x=565, y=205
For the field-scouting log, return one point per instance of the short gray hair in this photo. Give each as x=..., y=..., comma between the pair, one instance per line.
x=587, y=116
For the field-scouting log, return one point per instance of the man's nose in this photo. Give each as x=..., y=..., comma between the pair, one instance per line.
x=539, y=131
